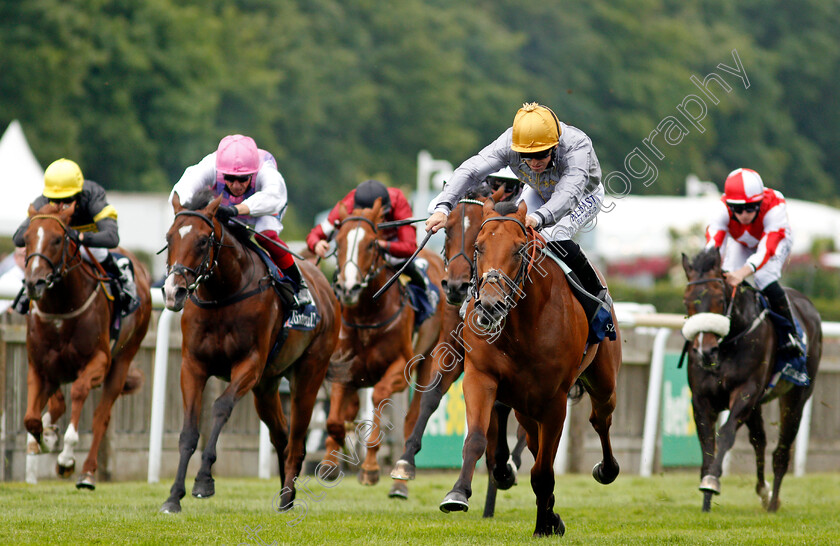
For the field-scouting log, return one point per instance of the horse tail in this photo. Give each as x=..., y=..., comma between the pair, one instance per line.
x=576, y=392
x=133, y=381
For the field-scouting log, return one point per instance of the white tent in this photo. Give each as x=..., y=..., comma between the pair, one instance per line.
x=21, y=178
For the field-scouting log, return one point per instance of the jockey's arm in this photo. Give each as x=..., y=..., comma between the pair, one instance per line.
x=107, y=236
x=270, y=197
x=569, y=190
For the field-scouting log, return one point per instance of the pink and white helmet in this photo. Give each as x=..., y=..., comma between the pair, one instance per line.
x=237, y=155
x=743, y=186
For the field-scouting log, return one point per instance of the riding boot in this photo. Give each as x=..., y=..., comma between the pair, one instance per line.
x=571, y=253
x=302, y=297
x=415, y=276
x=121, y=270
x=791, y=344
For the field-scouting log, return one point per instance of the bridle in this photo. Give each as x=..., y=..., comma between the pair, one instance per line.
x=376, y=264
x=209, y=261
x=463, y=251
x=495, y=275
x=69, y=251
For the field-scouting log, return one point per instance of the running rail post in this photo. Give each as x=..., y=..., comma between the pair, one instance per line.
x=264, y=457
x=159, y=394
x=657, y=366
x=800, y=454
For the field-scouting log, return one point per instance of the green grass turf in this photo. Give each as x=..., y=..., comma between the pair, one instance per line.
x=664, y=509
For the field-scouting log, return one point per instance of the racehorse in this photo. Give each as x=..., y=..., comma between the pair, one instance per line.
x=525, y=345
x=730, y=368
x=68, y=337
x=376, y=347
x=448, y=355
x=230, y=327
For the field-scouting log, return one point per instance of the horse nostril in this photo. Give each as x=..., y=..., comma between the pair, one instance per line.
x=444, y=284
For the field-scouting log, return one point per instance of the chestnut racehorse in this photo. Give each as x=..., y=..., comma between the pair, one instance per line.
x=731, y=369
x=230, y=326
x=525, y=345
x=448, y=355
x=376, y=348
x=68, y=337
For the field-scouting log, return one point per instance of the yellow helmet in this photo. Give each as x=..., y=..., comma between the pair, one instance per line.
x=62, y=178
x=535, y=128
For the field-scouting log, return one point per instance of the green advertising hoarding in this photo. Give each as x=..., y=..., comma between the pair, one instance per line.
x=443, y=439
x=680, y=446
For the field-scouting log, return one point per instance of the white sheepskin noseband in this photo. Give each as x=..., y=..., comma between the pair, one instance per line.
x=705, y=322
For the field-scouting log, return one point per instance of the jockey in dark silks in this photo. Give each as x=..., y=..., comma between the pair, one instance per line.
x=93, y=225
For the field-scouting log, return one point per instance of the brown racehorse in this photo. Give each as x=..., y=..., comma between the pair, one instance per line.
x=448, y=356
x=375, y=349
x=68, y=336
x=730, y=370
x=232, y=318
x=525, y=345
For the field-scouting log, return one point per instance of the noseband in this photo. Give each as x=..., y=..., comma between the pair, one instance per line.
x=373, y=270
x=463, y=251
x=60, y=269
x=210, y=260
x=494, y=275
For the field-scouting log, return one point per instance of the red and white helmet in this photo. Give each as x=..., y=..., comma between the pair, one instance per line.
x=237, y=155
x=743, y=186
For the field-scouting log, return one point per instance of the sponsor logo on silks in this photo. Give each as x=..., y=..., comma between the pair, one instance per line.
x=306, y=320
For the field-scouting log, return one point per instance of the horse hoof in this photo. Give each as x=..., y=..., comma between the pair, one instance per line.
x=368, y=477
x=764, y=493
x=557, y=527
x=86, y=481
x=171, y=507
x=399, y=490
x=49, y=439
x=403, y=470
x=454, y=501
x=710, y=483
x=328, y=473
x=65, y=471
x=203, y=488
x=604, y=476
x=506, y=478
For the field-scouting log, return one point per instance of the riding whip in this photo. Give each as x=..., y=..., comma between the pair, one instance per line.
x=399, y=223
x=275, y=243
x=398, y=273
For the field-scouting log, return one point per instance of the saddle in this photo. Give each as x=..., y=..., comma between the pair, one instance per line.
x=597, y=310
x=788, y=368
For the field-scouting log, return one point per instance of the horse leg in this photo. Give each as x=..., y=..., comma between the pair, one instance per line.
x=542, y=474
x=38, y=392
x=504, y=469
x=91, y=376
x=193, y=381
x=521, y=443
x=479, y=395
x=599, y=381
x=305, y=383
x=55, y=409
x=705, y=418
x=758, y=439
x=101, y=417
x=393, y=380
x=744, y=400
x=405, y=469
x=790, y=410
x=243, y=378
x=270, y=411
x=344, y=405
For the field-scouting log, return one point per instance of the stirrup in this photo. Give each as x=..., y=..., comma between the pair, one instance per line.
x=792, y=347
x=302, y=297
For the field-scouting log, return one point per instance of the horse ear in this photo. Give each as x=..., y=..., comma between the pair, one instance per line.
x=377, y=208
x=498, y=194
x=342, y=211
x=522, y=210
x=686, y=263
x=176, y=203
x=32, y=211
x=489, y=206
x=213, y=206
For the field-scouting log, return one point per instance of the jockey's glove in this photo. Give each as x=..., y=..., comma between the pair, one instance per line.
x=73, y=235
x=226, y=212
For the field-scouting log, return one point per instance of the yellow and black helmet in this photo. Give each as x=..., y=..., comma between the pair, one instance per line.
x=62, y=179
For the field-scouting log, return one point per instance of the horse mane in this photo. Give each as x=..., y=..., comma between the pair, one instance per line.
x=506, y=207
x=482, y=190
x=200, y=199
x=705, y=260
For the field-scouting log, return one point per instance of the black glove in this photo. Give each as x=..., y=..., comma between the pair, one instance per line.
x=73, y=235
x=226, y=212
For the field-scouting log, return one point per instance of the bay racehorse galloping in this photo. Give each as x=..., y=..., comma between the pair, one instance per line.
x=524, y=346
x=376, y=348
x=448, y=356
x=68, y=336
x=732, y=357
x=230, y=326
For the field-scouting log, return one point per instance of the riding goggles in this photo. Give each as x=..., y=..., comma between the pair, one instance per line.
x=738, y=208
